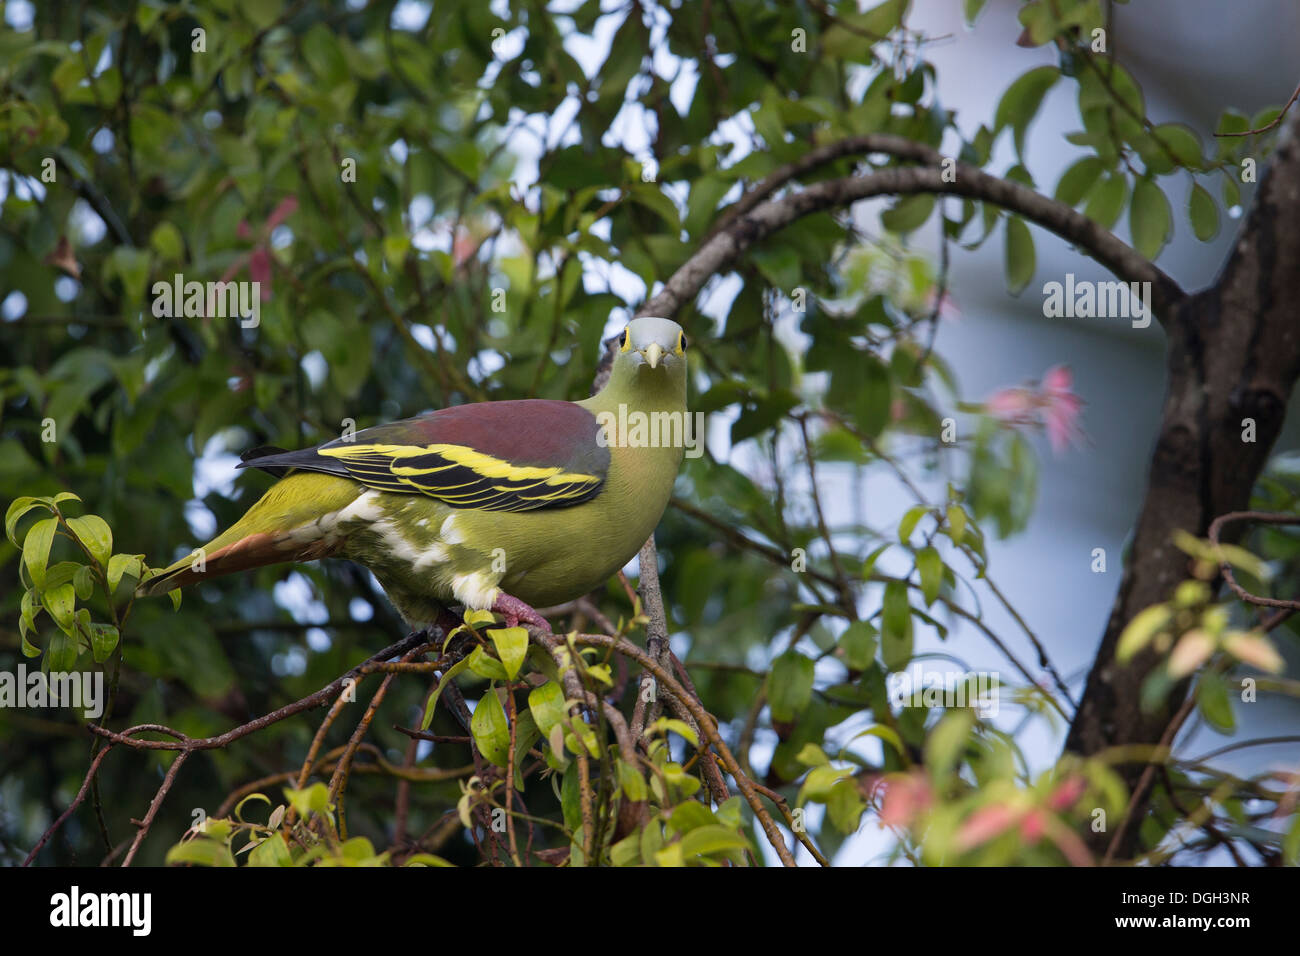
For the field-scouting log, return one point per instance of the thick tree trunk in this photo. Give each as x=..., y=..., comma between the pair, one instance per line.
x=1233, y=354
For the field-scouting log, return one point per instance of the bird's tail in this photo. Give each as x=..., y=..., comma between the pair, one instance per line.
x=285, y=525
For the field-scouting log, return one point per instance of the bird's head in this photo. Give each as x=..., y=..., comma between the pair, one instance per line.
x=651, y=344
x=649, y=367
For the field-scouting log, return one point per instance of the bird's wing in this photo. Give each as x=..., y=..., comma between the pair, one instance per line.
x=493, y=456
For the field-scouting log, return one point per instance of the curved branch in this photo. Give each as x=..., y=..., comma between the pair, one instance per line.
x=1268, y=517
x=898, y=146
x=749, y=228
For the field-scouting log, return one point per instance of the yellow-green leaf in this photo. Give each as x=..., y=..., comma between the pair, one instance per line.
x=36, y=549
x=1019, y=255
x=490, y=729
x=1149, y=218
x=512, y=647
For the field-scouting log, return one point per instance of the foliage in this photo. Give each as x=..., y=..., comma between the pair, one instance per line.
x=373, y=177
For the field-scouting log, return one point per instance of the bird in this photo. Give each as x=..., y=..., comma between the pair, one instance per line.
x=502, y=506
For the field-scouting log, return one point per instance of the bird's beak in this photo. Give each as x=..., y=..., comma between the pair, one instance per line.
x=653, y=353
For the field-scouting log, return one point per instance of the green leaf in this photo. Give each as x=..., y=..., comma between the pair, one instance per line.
x=1215, y=704
x=627, y=851
x=61, y=603
x=947, y=740
x=869, y=562
x=1078, y=180
x=83, y=582
x=273, y=851
x=1150, y=219
x=845, y=807
x=887, y=734
x=871, y=408
x=930, y=566
x=896, y=626
x=61, y=654
x=1019, y=255
x=789, y=685
x=1106, y=200
x=956, y=524
x=813, y=756
x=909, y=214
x=490, y=728
x=858, y=645
x=239, y=807
x=1231, y=192
x=972, y=9
x=123, y=564
x=703, y=841
x=16, y=510
x=882, y=19
x=651, y=197
x=631, y=782
x=1020, y=103
x=910, y=520
x=309, y=800
x=201, y=851
x=1203, y=213
x=103, y=641
x=853, y=40
x=485, y=665
x=679, y=727
x=1291, y=842
x=546, y=704
x=1183, y=143
x=475, y=617
x=321, y=49
x=36, y=549
x=29, y=607
x=131, y=266
x=167, y=242
x=512, y=647
x=820, y=781
x=451, y=672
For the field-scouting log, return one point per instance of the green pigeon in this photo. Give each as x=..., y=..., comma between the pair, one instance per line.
x=501, y=506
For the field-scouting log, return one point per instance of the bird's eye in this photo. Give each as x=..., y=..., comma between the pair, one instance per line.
x=623, y=341
x=681, y=343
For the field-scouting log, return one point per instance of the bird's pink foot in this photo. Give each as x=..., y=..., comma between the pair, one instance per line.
x=515, y=610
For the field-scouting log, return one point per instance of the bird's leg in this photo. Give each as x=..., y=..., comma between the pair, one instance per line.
x=515, y=610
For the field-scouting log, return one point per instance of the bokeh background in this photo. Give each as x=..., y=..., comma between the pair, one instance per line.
x=324, y=357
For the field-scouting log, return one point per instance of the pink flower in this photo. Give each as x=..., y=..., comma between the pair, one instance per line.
x=1067, y=792
x=907, y=796
x=1063, y=408
x=464, y=246
x=1015, y=406
x=985, y=824
x=1033, y=826
x=1053, y=404
x=259, y=257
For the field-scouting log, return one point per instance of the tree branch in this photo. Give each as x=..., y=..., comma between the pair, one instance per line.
x=748, y=228
x=1233, y=361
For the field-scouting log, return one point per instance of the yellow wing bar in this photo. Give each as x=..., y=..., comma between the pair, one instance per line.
x=463, y=477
